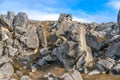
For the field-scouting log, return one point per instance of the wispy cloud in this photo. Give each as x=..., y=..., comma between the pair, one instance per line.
x=114, y=4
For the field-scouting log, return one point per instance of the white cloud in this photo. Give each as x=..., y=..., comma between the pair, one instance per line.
x=35, y=15
x=114, y=3
x=81, y=20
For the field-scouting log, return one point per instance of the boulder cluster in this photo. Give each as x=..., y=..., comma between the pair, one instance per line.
x=87, y=48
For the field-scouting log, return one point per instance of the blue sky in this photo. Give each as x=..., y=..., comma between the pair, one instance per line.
x=82, y=10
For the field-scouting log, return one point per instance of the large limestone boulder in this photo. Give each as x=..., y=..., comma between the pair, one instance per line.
x=113, y=51
x=104, y=65
x=64, y=17
x=73, y=49
x=62, y=53
x=10, y=15
x=7, y=23
x=20, y=22
x=93, y=42
x=77, y=33
x=6, y=71
x=30, y=38
x=4, y=59
x=64, y=21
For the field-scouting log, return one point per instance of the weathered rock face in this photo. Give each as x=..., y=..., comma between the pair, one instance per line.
x=92, y=42
x=114, y=51
x=45, y=59
x=104, y=65
x=63, y=23
x=116, y=69
x=67, y=53
x=21, y=20
x=4, y=59
x=64, y=17
x=6, y=71
x=6, y=22
x=74, y=47
x=30, y=38
x=10, y=15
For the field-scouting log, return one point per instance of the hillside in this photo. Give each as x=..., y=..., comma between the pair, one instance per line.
x=58, y=50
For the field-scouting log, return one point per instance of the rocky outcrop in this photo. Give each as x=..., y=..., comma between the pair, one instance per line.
x=88, y=48
x=64, y=18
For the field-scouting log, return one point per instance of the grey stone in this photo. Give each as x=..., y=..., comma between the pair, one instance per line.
x=81, y=61
x=10, y=15
x=115, y=39
x=116, y=69
x=30, y=38
x=70, y=48
x=64, y=17
x=104, y=26
x=92, y=26
x=94, y=72
x=24, y=77
x=4, y=36
x=4, y=59
x=12, y=51
x=93, y=42
x=104, y=65
x=62, y=27
x=6, y=23
x=42, y=61
x=42, y=37
x=76, y=75
x=50, y=76
x=113, y=51
x=74, y=32
x=21, y=20
x=20, y=30
x=44, y=51
x=6, y=71
x=106, y=30
x=77, y=33
x=33, y=68
x=58, y=52
x=111, y=60
x=66, y=76
x=83, y=70
x=66, y=54
x=9, y=42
